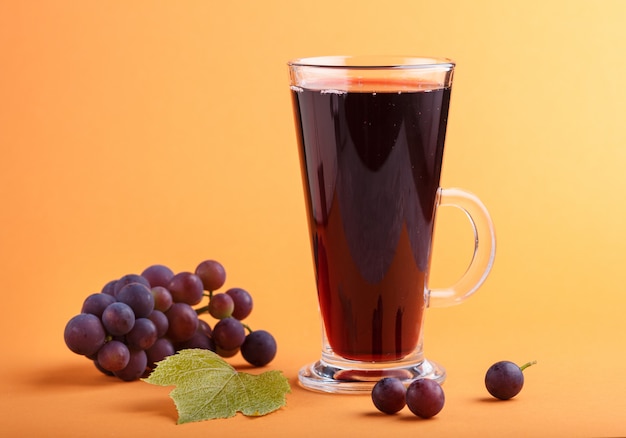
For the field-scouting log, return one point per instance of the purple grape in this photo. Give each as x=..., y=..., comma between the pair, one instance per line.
x=259, y=348
x=162, y=298
x=226, y=353
x=113, y=356
x=96, y=303
x=389, y=395
x=221, y=306
x=158, y=275
x=183, y=322
x=243, y=302
x=212, y=274
x=229, y=334
x=118, y=318
x=198, y=340
x=206, y=328
x=160, y=322
x=143, y=334
x=139, y=297
x=109, y=288
x=84, y=334
x=161, y=349
x=127, y=279
x=102, y=370
x=504, y=379
x=136, y=367
x=186, y=287
x=425, y=398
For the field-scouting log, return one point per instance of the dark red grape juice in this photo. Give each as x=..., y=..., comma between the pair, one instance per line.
x=371, y=161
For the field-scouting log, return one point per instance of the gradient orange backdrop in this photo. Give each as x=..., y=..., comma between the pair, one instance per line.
x=145, y=132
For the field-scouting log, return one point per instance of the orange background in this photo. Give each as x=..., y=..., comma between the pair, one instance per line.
x=145, y=132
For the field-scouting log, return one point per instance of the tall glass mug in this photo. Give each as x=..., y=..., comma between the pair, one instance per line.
x=371, y=134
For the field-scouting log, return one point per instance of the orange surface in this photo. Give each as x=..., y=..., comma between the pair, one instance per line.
x=145, y=132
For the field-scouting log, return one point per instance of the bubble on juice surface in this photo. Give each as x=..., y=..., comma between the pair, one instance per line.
x=332, y=91
x=296, y=89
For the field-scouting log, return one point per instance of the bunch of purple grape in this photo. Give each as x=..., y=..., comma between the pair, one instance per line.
x=138, y=320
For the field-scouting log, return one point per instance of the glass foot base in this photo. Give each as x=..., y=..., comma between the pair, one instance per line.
x=322, y=377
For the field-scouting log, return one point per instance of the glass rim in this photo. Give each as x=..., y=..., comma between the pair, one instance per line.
x=373, y=62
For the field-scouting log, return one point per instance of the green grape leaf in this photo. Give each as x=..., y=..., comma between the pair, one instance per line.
x=207, y=387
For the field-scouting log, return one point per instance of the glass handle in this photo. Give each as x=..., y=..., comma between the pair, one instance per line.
x=484, y=248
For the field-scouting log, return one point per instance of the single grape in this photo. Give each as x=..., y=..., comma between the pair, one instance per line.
x=127, y=279
x=504, y=379
x=142, y=335
x=118, y=318
x=109, y=288
x=162, y=298
x=229, y=334
x=160, y=322
x=84, y=334
x=161, y=349
x=198, y=340
x=389, y=395
x=183, y=322
x=221, y=306
x=212, y=274
x=158, y=275
x=96, y=303
x=259, y=348
x=226, y=353
x=102, y=370
x=113, y=356
x=206, y=328
x=243, y=302
x=136, y=367
x=425, y=398
x=186, y=287
x=139, y=297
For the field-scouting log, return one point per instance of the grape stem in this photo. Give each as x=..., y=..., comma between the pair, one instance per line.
x=201, y=310
x=526, y=365
x=205, y=308
x=247, y=327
